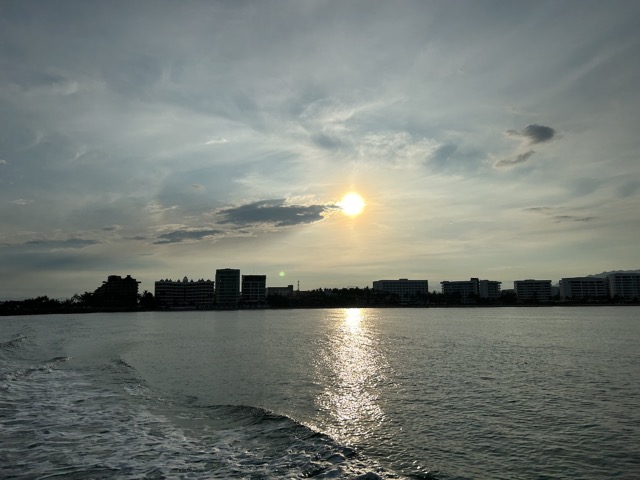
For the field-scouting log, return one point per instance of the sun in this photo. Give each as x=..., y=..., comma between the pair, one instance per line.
x=352, y=204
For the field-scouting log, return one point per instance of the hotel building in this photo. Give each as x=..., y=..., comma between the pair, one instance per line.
x=185, y=293
x=533, y=290
x=405, y=289
x=227, y=287
x=469, y=290
x=625, y=286
x=584, y=288
x=254, y=290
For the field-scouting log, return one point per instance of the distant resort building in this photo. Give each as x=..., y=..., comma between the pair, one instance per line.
x=282, y=291
x=624, y=286
x=584, y=288
x=117, y=293
x=254, y=290
x=533, y=291
x=185, y=294
x=407, y=291
x=227, y=288
x=468, y=291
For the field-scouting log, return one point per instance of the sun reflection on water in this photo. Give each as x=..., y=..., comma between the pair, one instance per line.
x=353, y=367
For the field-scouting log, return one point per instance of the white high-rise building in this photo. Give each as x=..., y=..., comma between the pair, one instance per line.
x=625, y=286
x=584, y=288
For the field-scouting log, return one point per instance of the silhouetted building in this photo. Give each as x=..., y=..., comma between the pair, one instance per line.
x=254, y=290
x=468, y=291
x=186, y=293
x=117, y=293
x=533, y=291
x=282, y=291
x=584, y=288
x=227, y=287
x=408, y=291
x=489, y=289
x=625, y=286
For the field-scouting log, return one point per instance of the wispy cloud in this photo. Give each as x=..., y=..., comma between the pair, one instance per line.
x=21, y=201
x=58, y=244
x=216, y=141
x=273, y=212
x=517, y=160
x=555, y=215
x=571, y=218
x=187, y=235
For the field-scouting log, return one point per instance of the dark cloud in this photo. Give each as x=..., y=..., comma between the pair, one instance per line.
x=509, y=162
x=274, y=212
x=534, y=133
x=68, y=243
x=538, y=209
x=178, y=236
x=548, y=212
x=571, y=218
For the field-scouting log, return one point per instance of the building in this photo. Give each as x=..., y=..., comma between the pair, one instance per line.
x=468, y=291
x=533, y=291
x=185, y=294
x=624, y=286
x=254, y=290
x=408, y=291
x=584, y=288
x=282, y=291
x=117, y=293
x=227, y=288
x=489, y=289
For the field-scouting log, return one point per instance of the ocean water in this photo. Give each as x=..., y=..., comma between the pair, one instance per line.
x=496, y=393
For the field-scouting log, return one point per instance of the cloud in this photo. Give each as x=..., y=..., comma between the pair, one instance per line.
x=3, y=162
x=454, y=158
x=571, y=218
x=534, y=133
x=510, y=162
x=628, y=188
x=21, y=201
x=55, y=244
x=548, y=212
x=274, y=212
x=216, y=141
x=178, y=236
x=538, y=209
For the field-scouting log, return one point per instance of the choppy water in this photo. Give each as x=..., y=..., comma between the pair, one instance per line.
x=530, y=393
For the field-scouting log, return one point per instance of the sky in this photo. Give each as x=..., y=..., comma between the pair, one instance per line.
x=163, y=139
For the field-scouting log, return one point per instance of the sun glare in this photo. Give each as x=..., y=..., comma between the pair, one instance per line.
x=352, y=204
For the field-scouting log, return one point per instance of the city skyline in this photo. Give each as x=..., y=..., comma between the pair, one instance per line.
x=487, y=139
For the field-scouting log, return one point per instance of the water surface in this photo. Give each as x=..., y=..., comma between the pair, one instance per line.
x=499, y=393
